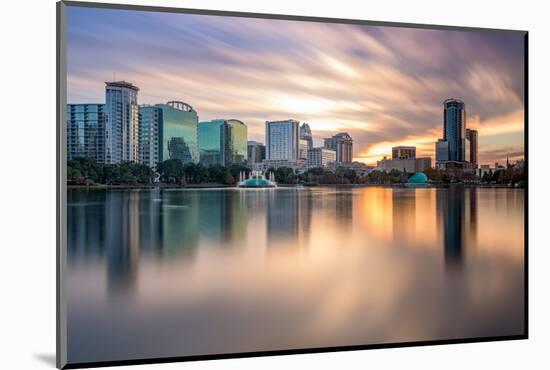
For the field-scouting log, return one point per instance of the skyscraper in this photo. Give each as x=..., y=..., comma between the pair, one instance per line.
x=210, y=142
x=86, y=131
x=223, y=142
x=305, y=134
x=168, y=131
x=454, y=126
x=179, y=136
x=234, y=139
x=342, y=143
x=150, y=140
x=122, y=122
x=282, y=140
x=303, y=149
x=471, y=136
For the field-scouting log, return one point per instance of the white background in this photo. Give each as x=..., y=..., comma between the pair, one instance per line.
x=27, y=196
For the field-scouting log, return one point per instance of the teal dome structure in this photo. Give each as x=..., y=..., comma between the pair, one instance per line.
x=418, y=178
x=256, y=183
x=257, y=179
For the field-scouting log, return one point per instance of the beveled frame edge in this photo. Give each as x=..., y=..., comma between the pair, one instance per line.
x=61, y=185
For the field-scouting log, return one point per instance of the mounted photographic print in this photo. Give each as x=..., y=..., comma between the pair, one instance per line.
x=236, y=184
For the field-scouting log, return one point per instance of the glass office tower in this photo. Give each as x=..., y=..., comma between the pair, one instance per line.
x=168, y=131
x=454, y=126
x=179, y=132
x=86, y=131
x=223, y=142
x=122, y=122
x=234, y=139
x=210, y=142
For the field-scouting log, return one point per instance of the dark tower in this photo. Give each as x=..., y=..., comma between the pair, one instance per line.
x=454, y=126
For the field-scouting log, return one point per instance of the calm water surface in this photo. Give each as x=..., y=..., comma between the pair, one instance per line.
x=156, y=273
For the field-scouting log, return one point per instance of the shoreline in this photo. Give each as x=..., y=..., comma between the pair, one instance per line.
x=223, y=186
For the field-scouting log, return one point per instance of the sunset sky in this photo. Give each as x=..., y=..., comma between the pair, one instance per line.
x=383, y=85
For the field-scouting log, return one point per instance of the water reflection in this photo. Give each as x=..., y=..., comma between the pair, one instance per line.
x=404, y=217
x=282, y=214
x=344, y=208
x=179, y=272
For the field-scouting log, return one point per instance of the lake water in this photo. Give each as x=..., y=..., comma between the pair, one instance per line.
x=159, y=273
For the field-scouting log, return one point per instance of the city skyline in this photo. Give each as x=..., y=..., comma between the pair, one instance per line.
x=377, y=83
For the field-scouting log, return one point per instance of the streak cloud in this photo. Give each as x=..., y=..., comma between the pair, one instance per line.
x=383, y=85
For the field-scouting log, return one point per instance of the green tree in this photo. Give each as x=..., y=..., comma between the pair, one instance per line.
x=217, y=174
x=283, y=175
x=171, y=171
x=88, y=169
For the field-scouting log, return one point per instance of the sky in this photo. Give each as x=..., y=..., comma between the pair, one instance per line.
x=383, y=85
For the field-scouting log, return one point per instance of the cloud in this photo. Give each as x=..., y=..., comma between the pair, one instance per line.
x=383, y=85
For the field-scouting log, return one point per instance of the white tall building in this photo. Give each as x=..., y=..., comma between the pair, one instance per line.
x=304, y=147
x=282, y=140
x=121, y=122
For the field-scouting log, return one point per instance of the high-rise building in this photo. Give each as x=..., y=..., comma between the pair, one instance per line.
x=305, y=134
x=150, y=140
x=403, y=152
x=256, y=152
x=121, y=122
x=282, y=140
x=471, y=136
x=303, y=145
x=86, y=131
x=454, y=126
x=179, y=132
x=168, y=131
x=320, y=157
x=342, y=143
x=234, y=139
x=210, y=142
x=223, y=142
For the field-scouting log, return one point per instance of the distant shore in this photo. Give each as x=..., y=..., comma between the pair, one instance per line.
x=212, y=186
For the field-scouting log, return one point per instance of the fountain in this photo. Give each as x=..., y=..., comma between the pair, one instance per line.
x=257, y=179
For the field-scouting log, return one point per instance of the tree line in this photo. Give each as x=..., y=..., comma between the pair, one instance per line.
x=501, y=176
x=84, y=171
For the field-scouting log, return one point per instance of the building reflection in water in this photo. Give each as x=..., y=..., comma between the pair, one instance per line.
x=282, y=214
x=457, y=220
x=122, y=240
x=85, y=224
x=179, y=225
x=344, y=208
x=122, y=226
x=223, y=217
x=404, y=217
x=289, y=213
x=473, y=221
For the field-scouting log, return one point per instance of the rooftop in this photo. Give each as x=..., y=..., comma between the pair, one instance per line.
x=179, y=105
x=453, y=101
x=123, y=84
